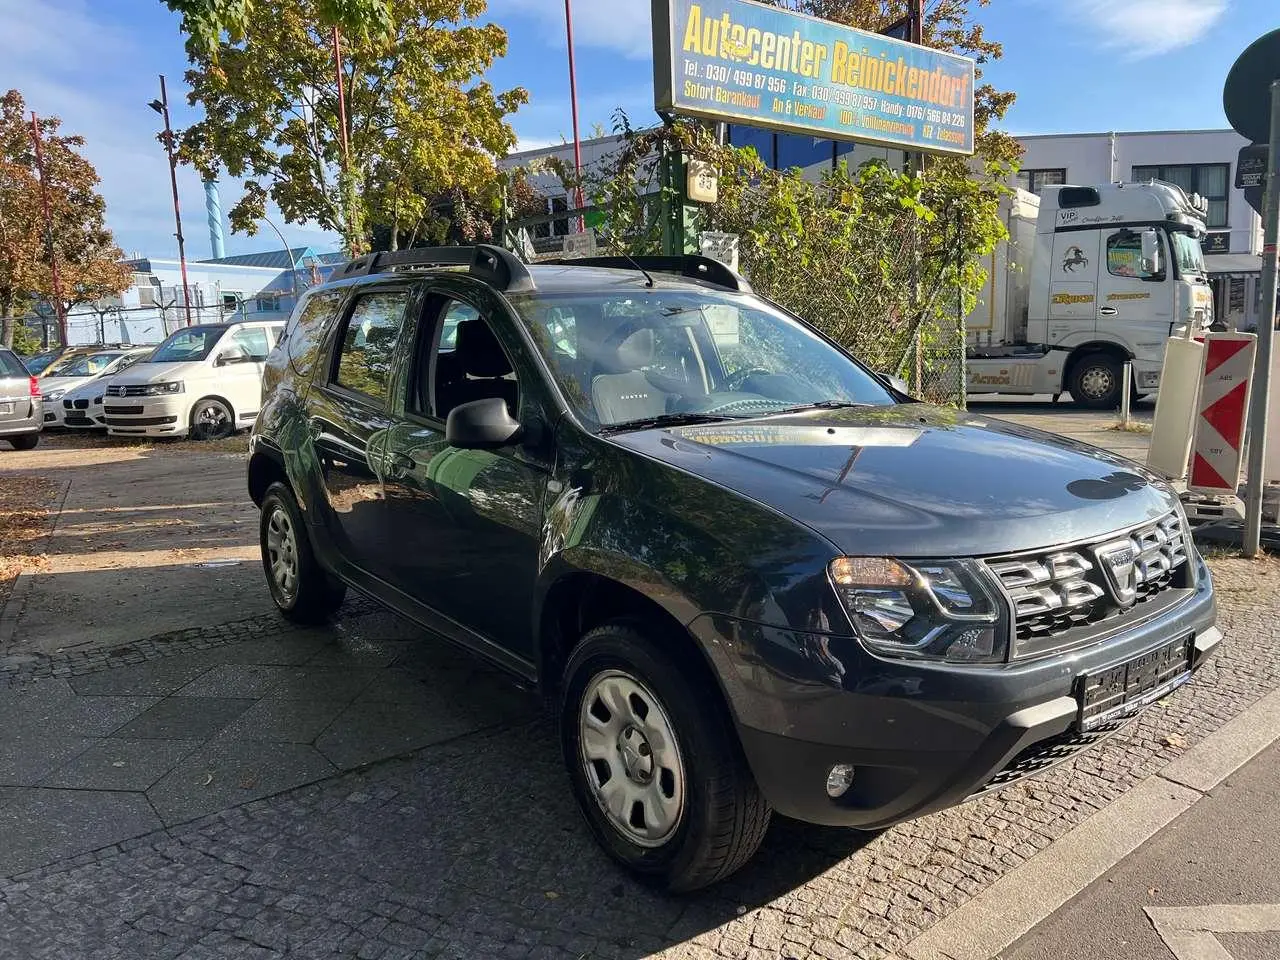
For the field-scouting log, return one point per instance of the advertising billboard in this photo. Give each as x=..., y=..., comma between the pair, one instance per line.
x=750, y=63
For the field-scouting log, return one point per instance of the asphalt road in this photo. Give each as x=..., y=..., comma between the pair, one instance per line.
x=1222, y=852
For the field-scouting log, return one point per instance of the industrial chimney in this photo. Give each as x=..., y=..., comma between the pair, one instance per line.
x=213, y=207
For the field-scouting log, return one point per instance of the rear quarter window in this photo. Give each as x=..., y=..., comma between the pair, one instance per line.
x=10, y=365
x=305, y=328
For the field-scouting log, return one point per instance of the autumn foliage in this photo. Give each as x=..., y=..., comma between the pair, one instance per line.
x=88, y=259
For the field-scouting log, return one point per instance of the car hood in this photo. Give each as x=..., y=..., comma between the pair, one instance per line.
x=50, y=384
x=155, y=372
x=917, y=481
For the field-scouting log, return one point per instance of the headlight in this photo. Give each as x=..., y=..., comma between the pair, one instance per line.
x=54, y=395
x=160, y=389
x=935, y=610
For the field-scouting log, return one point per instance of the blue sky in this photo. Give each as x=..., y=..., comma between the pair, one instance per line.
x=1077, y=65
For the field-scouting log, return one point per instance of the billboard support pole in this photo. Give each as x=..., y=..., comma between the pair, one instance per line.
x=1266, y=340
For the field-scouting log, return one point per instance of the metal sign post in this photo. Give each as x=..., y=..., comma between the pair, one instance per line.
x=1256, y=116
x=1266, y=339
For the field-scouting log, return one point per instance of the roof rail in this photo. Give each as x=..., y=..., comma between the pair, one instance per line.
x=500, y=268
x=690, y=265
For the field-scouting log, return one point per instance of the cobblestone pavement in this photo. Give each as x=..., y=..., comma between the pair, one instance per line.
x=473, y=848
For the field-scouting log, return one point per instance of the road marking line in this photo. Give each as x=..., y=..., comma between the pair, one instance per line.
x=1021, y=899
x=1188, y=932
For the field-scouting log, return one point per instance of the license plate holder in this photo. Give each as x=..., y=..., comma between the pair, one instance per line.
x=1121, y=691
x=6, y=407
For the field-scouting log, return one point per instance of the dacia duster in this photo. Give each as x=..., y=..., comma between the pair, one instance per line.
x=750, y=574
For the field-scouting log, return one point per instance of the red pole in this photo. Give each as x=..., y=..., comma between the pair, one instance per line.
x=48, y=227
x=177, y=209
x=573, y=102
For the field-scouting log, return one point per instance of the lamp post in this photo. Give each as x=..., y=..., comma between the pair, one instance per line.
x=573, y=105
x=293, y=264
x=161, y=107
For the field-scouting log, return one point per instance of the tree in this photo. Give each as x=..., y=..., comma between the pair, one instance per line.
x=421, y=121
x=205, y=21
x=87, y=257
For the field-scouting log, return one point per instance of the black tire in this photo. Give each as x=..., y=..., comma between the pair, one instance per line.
x=26, y=441
x=1095, y=381
x=311, y=596
x=723, y=815
x=211, y=419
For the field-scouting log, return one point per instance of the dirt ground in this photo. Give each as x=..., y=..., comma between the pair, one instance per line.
x=147, y=538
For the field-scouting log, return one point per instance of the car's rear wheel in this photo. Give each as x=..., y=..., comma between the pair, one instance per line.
x=654, y=762
x=211, y=419
x=301, y=589
x=26, y=441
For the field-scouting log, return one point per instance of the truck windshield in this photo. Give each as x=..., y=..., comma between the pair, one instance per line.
x=631, y=356
x=1186, y=249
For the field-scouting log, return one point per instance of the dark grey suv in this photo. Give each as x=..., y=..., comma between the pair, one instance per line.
x=750, y=574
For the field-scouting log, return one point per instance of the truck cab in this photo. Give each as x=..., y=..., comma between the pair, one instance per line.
x=1109, y=275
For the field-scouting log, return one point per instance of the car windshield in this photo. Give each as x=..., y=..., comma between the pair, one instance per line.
x=85, y=365
x=193, y=343
x=631, y=357
x=40, y=363
x=1190, y=256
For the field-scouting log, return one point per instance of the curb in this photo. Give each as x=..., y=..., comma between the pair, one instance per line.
x=16, y=605
x=1017, y=902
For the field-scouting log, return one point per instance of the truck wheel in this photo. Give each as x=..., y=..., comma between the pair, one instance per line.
x=1095, y=381
x=26, y=441
x=655, y=764
x=302, y=591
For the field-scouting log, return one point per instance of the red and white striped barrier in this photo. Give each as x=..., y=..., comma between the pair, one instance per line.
x=1217, y=454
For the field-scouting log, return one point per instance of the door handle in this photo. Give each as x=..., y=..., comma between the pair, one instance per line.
x=402, y=463
x=1108, y=311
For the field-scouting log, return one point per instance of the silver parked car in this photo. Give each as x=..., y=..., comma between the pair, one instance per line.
x=21, y=410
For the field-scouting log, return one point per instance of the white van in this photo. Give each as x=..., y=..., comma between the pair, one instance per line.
x=204, y=381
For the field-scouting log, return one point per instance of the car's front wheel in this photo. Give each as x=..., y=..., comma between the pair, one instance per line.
x=655, y=763
x=301, y=589
x=26, y=441
x=211, y=419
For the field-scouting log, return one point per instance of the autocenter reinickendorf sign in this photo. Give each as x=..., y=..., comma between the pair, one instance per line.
x=751, y=63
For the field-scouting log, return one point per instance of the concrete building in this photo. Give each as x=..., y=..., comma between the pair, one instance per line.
x=1199, y=161
x=252, y=286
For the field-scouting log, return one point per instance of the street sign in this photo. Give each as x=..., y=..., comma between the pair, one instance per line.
x=1219, y=242
x=580, y=244
x=703, y=185
x=1217, y=455
x=720, y=246
x=1251, y=166
x=746, y=62
x=1245, y=97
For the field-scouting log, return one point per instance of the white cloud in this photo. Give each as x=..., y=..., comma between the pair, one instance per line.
x=1146, y=28
x=623, y=26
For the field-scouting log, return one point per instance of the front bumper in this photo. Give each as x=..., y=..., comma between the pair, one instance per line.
x=146, y=416
x=921, y=736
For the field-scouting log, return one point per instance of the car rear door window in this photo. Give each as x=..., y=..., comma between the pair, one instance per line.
x=368, y=343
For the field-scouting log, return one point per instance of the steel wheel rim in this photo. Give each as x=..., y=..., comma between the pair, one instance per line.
x=212, y=420
x=1097, y=382
x=282, y=552
x=631, y=758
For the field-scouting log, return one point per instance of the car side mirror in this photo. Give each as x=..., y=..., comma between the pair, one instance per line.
x=1150, y=251
x=482, y=425
x=231, y=356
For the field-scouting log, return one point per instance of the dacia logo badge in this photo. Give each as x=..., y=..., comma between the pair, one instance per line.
x=1119, y=562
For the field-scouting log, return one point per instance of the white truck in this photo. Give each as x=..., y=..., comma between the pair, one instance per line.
x=1090, y=278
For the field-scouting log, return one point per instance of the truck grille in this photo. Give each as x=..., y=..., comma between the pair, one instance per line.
x=127, y=390
x=1065, y=598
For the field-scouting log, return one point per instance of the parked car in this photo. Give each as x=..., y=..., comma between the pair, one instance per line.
x=751, y=574
x=38, y=363
x=73, y=371
x=81, y=405
x=21, y=410
x=204, y=381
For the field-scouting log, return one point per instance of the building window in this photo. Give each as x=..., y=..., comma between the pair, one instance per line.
x=560, y=205
x=267, y=304
x=230, y=300
x=1210, y=180
x=1033, y=181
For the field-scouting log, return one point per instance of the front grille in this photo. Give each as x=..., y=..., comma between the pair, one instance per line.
x=127, y=390
x=75, y=404
x=78, y=420
x=1063, y=598
x=1047, y=753
x=124, y=410
x=139, y=421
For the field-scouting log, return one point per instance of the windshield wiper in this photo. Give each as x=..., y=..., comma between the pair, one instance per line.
x=822, y=405
x=665, y=420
